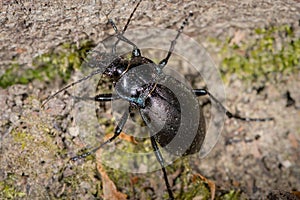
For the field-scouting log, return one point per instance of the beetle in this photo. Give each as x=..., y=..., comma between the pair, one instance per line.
x=158, y=97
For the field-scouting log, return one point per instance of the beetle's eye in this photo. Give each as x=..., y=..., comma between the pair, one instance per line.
x=133, y=93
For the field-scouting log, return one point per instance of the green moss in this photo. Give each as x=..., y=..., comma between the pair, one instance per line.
x=22, y=138
x=231, y=195
x=274, y=50
x=8, y=191
x=61, y=61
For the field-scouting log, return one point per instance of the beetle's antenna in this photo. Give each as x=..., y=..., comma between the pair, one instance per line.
x=72, y=84
x=130, y=17
x=164, y=61
x=114, y=47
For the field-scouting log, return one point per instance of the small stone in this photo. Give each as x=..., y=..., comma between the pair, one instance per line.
x=74, y=131
x=286, y=163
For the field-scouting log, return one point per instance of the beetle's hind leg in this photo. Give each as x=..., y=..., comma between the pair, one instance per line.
x=162, y=163
x=203, y=92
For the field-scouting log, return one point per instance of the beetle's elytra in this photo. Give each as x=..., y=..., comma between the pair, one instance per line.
x=159, y=98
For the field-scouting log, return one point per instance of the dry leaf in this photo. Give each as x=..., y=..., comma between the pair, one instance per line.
x=210, y=183
x=109, y=188
x=296, y=193
x=134, y=180
x=123, y=136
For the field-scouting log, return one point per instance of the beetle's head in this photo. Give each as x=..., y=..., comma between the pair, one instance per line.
x=117, y=68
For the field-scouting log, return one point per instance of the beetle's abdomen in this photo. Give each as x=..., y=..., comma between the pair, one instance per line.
x=162, y=114
x=174, y=118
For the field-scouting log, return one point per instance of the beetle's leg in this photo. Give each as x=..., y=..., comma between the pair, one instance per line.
x=105, y=97
x=135, y=52
x=117, y=132
x=99, y=97
x=162, y=163
x=126, y=26
x=203, y=92
x=164, y=61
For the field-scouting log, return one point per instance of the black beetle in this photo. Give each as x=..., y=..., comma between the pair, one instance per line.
x=158, y=98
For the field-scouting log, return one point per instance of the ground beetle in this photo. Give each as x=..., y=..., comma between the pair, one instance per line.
x=146, y=88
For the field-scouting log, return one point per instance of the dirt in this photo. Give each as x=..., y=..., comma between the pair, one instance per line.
x=258, y=158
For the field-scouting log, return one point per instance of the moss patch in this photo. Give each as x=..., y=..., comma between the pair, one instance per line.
x=8, y=191
x=275, y=50
x=61, y=61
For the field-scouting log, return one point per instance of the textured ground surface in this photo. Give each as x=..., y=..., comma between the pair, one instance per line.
x=255, y=158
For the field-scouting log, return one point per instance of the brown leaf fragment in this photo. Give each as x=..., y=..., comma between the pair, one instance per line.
x=109, y=188
x=123, y=136
x=210, y=183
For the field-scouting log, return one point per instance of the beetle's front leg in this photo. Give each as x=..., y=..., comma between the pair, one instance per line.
x=100, y=97
x=135, y=52
x=105, y=97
